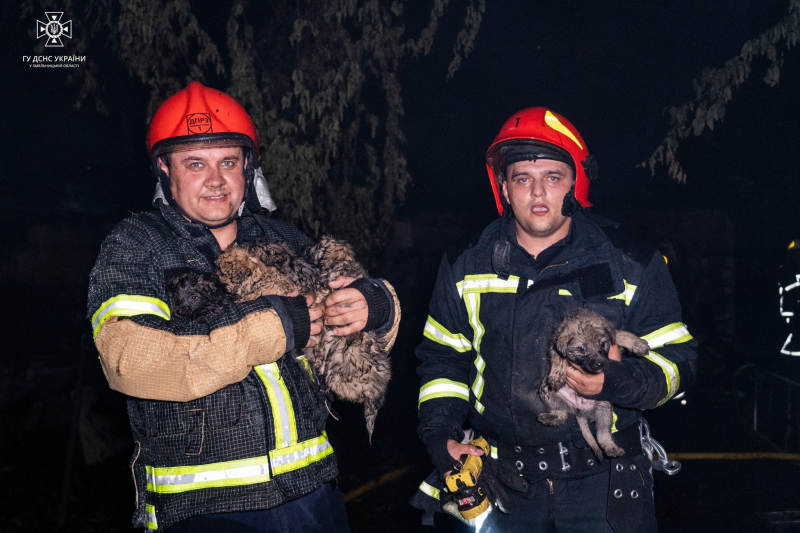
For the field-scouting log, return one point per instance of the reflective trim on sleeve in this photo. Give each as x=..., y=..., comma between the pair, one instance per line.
x=151, y=516
x=280, y=403
x=564, y=292
x=627, y=294
x=128, y=305
x=443, y=388
x=438, y=333
x=299, y=455
x=493, y=452
x=478, y=283
x=430, y=490
x=171, y=480
x=674, y=333
x=613, y=421
x=671, y=374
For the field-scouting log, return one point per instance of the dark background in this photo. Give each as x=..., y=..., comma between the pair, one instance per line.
x=612, y=68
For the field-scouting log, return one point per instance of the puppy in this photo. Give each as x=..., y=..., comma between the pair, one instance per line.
x=584, y=339
x=196, y=294
x=354, y=367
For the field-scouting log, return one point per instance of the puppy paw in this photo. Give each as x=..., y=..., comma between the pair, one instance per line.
x=640, y=347
x=613, y=451
x=556, y=418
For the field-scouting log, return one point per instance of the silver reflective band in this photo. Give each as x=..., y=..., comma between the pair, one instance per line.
x=438, y=333
x=128, y=305
x=299, y=455
x=284, y=432
x=674, y=333
x=151, y=516
x=487, y=283
x=443, y=388
x=171, y=480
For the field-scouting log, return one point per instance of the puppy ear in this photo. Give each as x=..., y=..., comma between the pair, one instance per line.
x=561, y=341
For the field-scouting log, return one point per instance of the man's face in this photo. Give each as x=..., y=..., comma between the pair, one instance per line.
x=207, y=183
x=536, y=190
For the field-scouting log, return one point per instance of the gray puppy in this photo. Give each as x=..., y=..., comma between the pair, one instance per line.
x=584, y=338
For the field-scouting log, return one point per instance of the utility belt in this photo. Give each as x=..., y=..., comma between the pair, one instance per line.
x=564, y=460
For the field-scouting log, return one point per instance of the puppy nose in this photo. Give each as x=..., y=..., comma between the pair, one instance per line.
x=598, y=365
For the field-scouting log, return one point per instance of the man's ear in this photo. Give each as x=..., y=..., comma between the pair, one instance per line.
x=505, y=191
x=163, y=166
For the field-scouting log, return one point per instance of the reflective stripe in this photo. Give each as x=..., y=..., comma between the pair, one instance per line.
x=493, y=452
x=430, y=490
x=626, y=295
x=564, y=292
x=438, y=333
x=128, y=305
x=785, y=344
x=675, y=333
x=171, y=480
x=443, y=388
x=307, y=367
x=477, y=283
x=299, y=455
x=281, y=404
x=551, y=120
x=473, y=301
x=670, y=373
x=613, y=421
x=151, y=516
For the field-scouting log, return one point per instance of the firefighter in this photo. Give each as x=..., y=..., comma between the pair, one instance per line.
x=228, y=423
x=493, y=309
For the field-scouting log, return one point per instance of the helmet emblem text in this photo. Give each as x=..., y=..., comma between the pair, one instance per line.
x=199, y=123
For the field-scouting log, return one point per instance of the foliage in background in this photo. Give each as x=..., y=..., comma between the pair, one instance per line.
x=318, y=77
x=715, y=88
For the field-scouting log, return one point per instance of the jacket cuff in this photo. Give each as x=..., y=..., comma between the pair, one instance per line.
x=296, y=321
x=437, y=449
x=622, y=386
x=379, y=304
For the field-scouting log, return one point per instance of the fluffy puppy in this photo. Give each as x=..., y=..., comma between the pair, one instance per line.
x=584, y=339
x=354, y=367
x=196, y=294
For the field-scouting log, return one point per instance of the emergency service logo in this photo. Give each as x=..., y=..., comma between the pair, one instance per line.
x=199, y=123
x=54, y=29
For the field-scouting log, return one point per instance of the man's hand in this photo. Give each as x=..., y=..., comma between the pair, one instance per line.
x=457, y=449
x=589, y=384
x=315, y=312
x=346, y=309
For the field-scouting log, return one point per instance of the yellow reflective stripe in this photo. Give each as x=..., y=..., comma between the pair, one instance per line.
x=626, y=295
x=551, y=120
x=479, y=283
x=493, y=452
x=430, y=490
x=473, y=302
x=151, y=516
x=128, y=305
x=299, y=455
x=443, y=388
x=564, y=292
x=674, y=333
x=613, y=421
x=438, y=333
x=171, y=480
x=304, y=362
x=281, y=404
x=670, y=373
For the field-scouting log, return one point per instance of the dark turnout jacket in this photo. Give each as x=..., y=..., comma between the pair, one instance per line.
x=485, y=347
x=222, y=420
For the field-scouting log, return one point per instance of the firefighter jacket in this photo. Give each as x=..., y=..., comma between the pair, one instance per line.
x=485, y=347
x=221, y=421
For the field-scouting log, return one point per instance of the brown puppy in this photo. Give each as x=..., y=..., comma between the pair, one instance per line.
x=355, y=367
x=584, y=338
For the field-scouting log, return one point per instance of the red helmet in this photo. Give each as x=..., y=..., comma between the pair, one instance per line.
x=538, y=133
x=199, y=114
